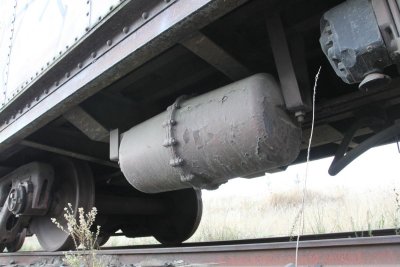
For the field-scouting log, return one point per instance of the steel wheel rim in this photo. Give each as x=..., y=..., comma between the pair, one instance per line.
x=73, y=184
x=16, y=245
x=184, y=219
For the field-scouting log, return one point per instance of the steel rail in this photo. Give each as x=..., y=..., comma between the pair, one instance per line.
x=361, y=251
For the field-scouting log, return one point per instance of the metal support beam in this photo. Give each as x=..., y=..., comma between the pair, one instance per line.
x=343, y=107
x=213, y=54
x=82, y=120
x=9, y=152
x=181, y=84
x=325, y=134
x=67, y=153
x=284, y=65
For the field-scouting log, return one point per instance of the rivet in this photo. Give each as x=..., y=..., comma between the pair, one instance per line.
x=168, y=123
x=99, y=18
x=57, y=83
x=67, y=74
x=37, y=73
x=111, y=7
x=28, y=105
x=66, y=46
x=169, y=142
x=48, y=63
x=87, y=14
x=145, y=15
x=79, y=65
x=167, y=1
x=109, y=42
x=187, y=178
x=41, y=68
x=46, y=91
x=125, y=30
x=37, y=98
x=87, y=29
x=31, y=78
x=76, y=38
x=60, y=52
x=87, y=2
x=54, y=58
x=176, y=162
x=93, y=54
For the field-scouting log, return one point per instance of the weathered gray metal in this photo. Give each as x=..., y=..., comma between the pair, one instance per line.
x=237, y=130
x=360, y=39
x=296, y=100
x=24, y=193
x=87, y=124
x=74, y=186
x=210, y=52
x=131, y=34
x=40, y=33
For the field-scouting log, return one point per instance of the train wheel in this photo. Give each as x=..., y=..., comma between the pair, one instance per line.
x=183, y=219
x=73, y=184
x=17, y=243
x=101, y=240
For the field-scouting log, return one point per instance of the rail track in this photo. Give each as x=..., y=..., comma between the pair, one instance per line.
x=343, y=249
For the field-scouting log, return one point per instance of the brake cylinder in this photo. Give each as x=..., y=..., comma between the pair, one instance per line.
x=239, y=130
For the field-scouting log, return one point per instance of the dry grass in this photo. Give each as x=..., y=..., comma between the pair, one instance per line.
x=277, y=214
x=78, y=225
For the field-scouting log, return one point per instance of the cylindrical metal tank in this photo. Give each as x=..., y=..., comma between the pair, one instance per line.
x=237, y=130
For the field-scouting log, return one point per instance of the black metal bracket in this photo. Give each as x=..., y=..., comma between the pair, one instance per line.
x=343, y=157
x=115, y=139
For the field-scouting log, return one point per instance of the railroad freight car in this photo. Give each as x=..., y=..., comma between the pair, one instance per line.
x=135, y=106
